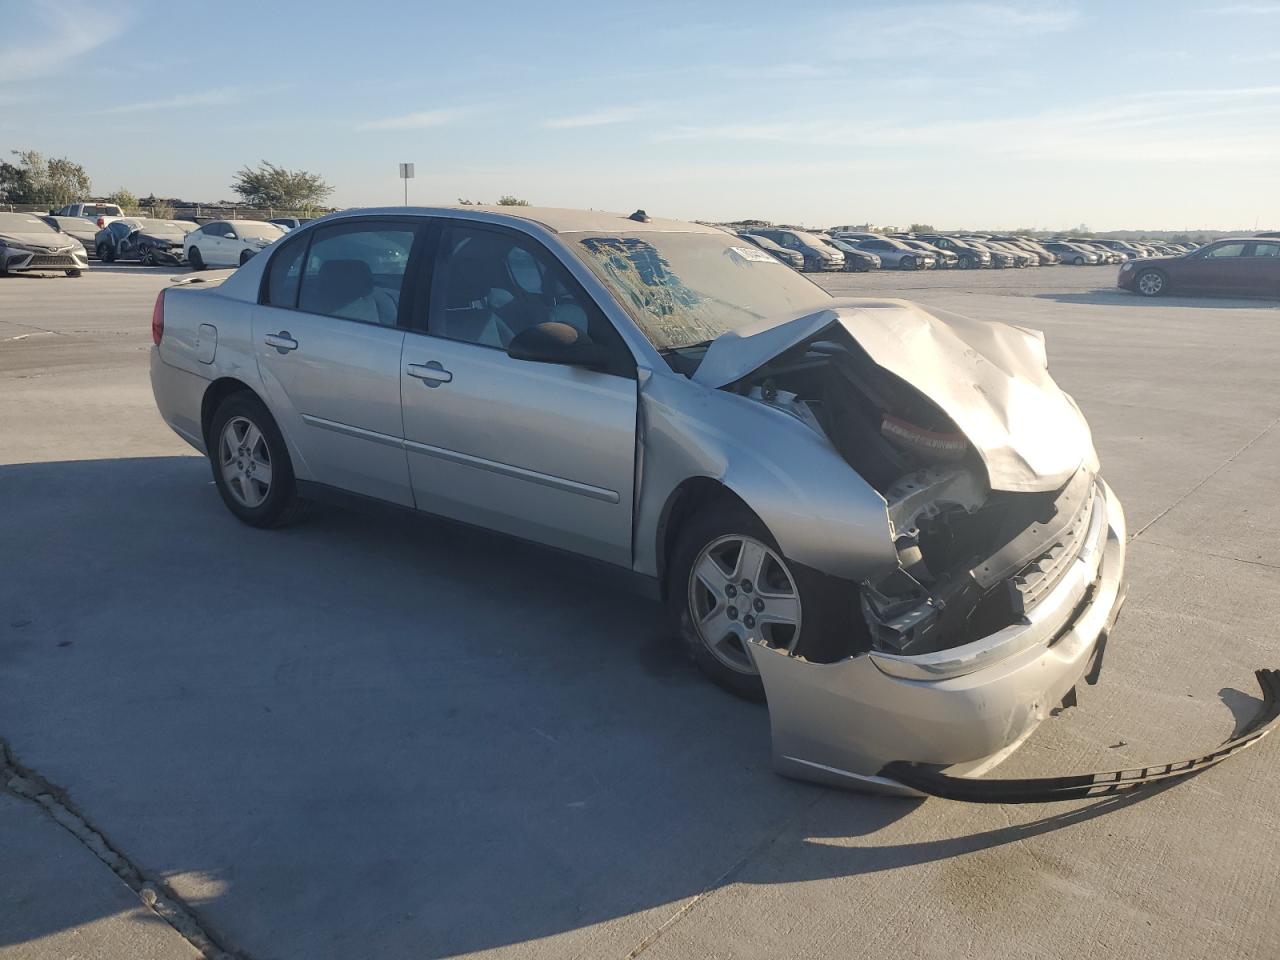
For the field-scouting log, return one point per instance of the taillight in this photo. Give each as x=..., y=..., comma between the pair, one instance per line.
x=157, y=319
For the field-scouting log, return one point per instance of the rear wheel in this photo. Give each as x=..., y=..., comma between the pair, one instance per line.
x=194, y=258
x=251, y=466
x=72, y=273
x=1078, y=261
x=729, y=583
x=1151, y=283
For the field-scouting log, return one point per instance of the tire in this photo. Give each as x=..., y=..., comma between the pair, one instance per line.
x=72, y=273
x=245, y=257
x=965, y=263
x=243, y=440
x=1150, y=283
x=106, y=253
x=1078, y=262
x=712, y=541
x=194, y=258
x=147, y=257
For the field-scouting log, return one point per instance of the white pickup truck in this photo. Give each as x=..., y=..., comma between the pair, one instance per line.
x=99, y=213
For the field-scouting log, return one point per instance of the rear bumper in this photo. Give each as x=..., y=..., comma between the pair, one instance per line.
x=179, y=394
x=842, y=723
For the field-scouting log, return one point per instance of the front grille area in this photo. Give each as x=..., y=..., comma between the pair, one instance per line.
x=52, y=260
x=1044, y=573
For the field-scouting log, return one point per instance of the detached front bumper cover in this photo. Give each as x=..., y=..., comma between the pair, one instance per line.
x=929, y=780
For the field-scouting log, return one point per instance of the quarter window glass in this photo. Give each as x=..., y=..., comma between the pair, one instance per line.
x=356, y=272
x=1227, y=250
x=284, y=273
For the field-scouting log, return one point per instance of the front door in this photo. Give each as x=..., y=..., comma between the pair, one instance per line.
x=1222, y=268
x=540, y=451
x=328, y=343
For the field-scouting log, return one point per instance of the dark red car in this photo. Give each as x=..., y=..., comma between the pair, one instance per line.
x=1247, y=266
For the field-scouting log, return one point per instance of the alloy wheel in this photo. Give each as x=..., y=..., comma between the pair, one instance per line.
x=245, y=462
x=1150, y=283
x=740, y=589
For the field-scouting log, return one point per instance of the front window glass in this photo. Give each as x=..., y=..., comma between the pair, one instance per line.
x=1227, y=250
x=688, y=288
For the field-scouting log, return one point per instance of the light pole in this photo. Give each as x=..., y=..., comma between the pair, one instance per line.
x=406, y=174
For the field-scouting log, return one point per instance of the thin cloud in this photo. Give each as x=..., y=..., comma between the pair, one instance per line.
x=55, y=35
x=208, y=98
x=903, y=33
x=599, y=118
x=414, y=121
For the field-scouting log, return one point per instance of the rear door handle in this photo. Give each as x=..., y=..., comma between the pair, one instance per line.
x=281, y=341
x=431, y=373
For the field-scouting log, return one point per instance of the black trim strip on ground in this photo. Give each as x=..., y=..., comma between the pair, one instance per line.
x=931, y=781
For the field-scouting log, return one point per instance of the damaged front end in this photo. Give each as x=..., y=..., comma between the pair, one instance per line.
x=1010, y=549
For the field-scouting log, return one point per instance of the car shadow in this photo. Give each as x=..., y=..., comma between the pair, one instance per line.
x=1126, y=299
x=372, y=735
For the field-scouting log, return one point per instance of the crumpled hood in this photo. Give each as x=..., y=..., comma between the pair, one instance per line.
x=989, y=378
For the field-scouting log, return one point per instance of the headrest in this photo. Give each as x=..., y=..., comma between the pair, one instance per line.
x=342, y=281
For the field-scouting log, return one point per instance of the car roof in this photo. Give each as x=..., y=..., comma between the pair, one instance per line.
x=556, y=219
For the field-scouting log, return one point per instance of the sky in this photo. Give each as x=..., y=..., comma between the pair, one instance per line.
x=1156, y=114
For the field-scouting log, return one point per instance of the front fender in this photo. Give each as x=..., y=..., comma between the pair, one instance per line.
x=820, y=511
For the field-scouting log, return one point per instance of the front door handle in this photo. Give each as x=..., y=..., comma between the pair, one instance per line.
x=281, y=341
x=431, y=373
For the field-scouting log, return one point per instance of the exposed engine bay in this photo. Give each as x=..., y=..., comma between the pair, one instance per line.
x=971, y=560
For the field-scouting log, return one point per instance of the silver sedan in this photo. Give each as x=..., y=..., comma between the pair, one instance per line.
x=887, y=520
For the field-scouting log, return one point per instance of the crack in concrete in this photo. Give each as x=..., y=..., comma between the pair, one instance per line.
x=1209, y=553
x=719, y=882
x=155, y=894
x=1209, y=476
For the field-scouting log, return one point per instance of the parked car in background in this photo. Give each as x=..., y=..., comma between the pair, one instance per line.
x=889, y=520
x=1123, y=247
x=228, y=243
x=818, y=256
x=1000, y=259
x=99, y=213
x=1027, y=245
x=896, y=255
x=1072, y=253
x=289, y=223
x=27, y=243
x=1107, y=254
x=1245, y=266
x=792, y=258
x=77, y=228
x=1020, y=257
x=855, y=260
x=968, y=256
x=942, y=258
x=144, y=239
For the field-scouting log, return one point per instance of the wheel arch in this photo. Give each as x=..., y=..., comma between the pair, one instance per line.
x=214, y=394
x=691, y=495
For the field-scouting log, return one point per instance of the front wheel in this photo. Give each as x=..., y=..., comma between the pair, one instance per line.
x=72, y=273
x=1078, y=262
x=245, y=257
x=1150, y=283
x=729, y=584
x=251, y=466
x=195, y=259
x=147, y=256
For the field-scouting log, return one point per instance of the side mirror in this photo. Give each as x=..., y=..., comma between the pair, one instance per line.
x=557, y=343
x=229, y=236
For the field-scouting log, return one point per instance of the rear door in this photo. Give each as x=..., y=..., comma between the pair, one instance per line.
x=328, y=336
x=537, y=450
x=1264, y=268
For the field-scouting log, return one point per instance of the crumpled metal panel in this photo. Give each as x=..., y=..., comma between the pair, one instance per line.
x=989, y=378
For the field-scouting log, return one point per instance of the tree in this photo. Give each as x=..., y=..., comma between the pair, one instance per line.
x=506, y=200
x=921, y=228
x=125, y=200
x=37, y=180
x=273, y=186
